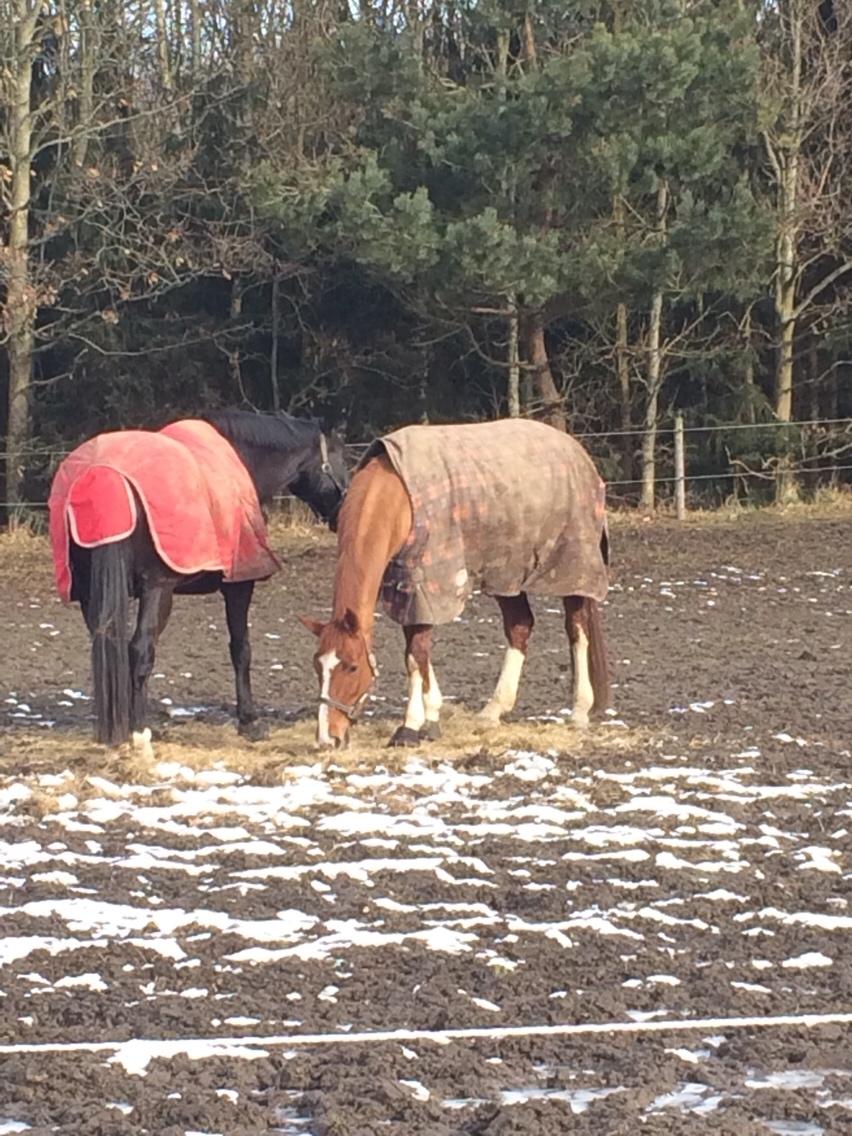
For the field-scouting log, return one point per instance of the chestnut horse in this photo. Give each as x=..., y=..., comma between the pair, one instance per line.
x=375, y=522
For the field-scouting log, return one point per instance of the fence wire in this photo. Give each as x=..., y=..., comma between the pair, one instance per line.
x=357, y=449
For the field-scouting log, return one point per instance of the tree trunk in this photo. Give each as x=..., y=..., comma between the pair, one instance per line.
x=784, y=363
x=649, y=437
x=501, y=63
x=528, y=39
x=832, y=409
x=748, y=372
x=195, y=34
x=243, y=31
x=553, y=408
x=273, y=354
x=622, y=358
x=813, y=377
x=416, y=28
x=163, y=45
x=622, y=364
x=88, y=67
x=786, y=487
x=21, y=306
x=234, y=361
x=786, y=268
x=513, y=364
x=423, y=383
x=175, y=14
x=654, y=373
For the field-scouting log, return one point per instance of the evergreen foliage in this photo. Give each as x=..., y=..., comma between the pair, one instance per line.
x=603, y=210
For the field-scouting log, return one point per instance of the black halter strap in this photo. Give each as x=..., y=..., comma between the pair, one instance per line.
x=326, y=467
x=352, y=710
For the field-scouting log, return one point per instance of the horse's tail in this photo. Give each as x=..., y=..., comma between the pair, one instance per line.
x=107, y=616
x=598, y=664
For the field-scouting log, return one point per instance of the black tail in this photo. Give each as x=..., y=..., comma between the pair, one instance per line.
x=598, y=664
x=107, y=617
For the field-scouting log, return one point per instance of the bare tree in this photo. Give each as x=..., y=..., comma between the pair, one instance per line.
x=21, y=45
x=654, y=369
x=808, y=142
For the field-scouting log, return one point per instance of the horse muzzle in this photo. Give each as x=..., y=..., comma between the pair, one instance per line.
x=350, y=710
x=331, y=741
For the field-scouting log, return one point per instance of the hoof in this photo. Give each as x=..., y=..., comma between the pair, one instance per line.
x=141, y=742
x=403, y=736
x=490, y=715
x=580, y=721
x=430, y=732
x=254, y=731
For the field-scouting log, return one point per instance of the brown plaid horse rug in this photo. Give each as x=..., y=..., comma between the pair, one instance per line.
x=506, y=507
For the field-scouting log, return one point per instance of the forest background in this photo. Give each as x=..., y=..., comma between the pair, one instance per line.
x=595, y=212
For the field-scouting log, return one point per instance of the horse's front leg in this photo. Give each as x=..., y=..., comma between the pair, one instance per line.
x=423, y=709
x=237, y=603
x=155, y=606
x=517, y=624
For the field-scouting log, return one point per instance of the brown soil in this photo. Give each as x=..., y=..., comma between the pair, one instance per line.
x=588, y=889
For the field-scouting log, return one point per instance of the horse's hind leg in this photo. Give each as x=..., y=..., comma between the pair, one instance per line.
x=423, y=709
x=577, y=626
x=155, y=605
x=518, y=624
x=237, y=602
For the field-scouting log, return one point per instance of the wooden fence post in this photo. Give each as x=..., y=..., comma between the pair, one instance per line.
x=680, y=468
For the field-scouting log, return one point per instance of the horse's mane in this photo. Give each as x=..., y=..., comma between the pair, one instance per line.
x=265, y=431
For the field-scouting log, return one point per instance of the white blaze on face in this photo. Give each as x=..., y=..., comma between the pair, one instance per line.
x=327, y=663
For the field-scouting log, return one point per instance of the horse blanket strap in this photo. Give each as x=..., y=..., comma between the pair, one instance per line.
x=509, y=506
x=199, y=500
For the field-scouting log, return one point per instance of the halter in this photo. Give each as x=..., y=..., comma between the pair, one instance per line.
x=326, y=467
x=352, y=711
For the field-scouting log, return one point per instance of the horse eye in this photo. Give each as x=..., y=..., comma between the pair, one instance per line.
x=352, y=668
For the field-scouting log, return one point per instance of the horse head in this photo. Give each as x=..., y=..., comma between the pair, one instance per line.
x=346, y=671
x=281, y=451
x=323, y=482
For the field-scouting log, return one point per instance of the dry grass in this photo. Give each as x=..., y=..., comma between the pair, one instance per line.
x=24, y=551
x=21, y=544
x=199, y=746
x=294, y=531
x=294, y=519
x=827, y=503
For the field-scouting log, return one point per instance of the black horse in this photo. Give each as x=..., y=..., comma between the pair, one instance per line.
x=279, y=452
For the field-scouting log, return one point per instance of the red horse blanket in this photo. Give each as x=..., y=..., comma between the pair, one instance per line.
x=509, y=506
x=199, y=500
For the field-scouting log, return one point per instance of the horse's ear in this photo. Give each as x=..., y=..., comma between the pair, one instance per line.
x=313, y=625
x=349, y=623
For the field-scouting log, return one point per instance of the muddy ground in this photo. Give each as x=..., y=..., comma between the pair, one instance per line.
x=688, y=860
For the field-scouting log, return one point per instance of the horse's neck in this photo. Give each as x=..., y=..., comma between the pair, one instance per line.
x=374, y=524
x=356, y=586
x=270, y=470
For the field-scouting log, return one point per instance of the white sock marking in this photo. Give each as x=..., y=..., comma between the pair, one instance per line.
x=506, y=691
x=583, y=693
x=433, y=700
x=415, y=711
